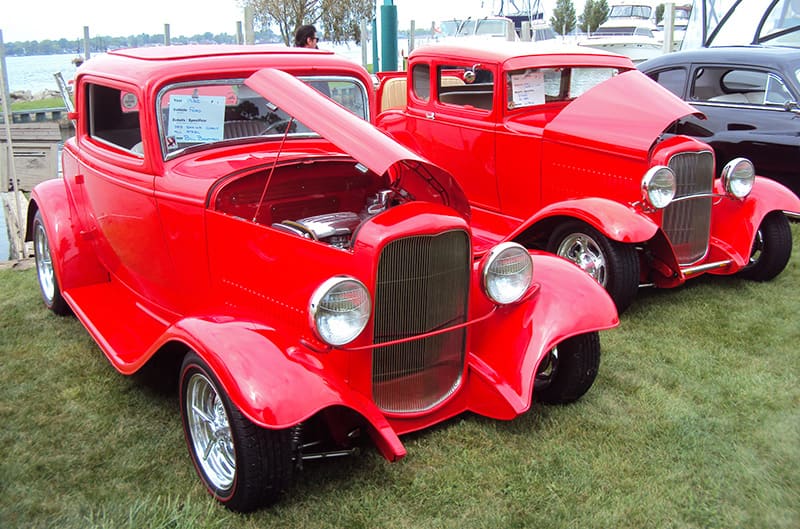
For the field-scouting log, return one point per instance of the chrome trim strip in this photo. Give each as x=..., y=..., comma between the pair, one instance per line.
x=692, y=270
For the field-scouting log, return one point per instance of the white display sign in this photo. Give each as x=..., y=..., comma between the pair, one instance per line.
x=196, y=118
x=527, y=88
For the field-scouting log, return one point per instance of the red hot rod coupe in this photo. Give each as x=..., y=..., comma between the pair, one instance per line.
x=312, y=278
x=567, y=150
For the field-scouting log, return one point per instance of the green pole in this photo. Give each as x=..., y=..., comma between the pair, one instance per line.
x=389, y=36
x=375, y=58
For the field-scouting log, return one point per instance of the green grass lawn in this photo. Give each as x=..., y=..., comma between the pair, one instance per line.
x=50, y=102
x=693, y=422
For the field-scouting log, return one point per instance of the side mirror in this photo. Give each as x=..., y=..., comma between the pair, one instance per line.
x=791, y=106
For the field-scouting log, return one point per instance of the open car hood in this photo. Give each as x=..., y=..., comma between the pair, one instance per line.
x=626, y=113
x=359, y=139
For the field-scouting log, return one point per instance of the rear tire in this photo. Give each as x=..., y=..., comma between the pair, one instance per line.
x=614, y=265
x=242, y=465
x=772, y=248
x=45, y=269
x=568, y=370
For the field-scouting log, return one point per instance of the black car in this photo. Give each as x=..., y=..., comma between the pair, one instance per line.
x=749, y=96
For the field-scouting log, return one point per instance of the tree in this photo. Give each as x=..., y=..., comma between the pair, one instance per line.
x=337, y=20
x=595, y=12
x=660, y=8
x=563, y=19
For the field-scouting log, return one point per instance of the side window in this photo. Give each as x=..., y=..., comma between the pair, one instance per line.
x=465, y=86
x=113, y=117
x=738, y=86
x=777, y=93
x=673, y=80
x=421, y=76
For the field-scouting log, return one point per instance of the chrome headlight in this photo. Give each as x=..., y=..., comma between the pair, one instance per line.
x=738, y=176
x=339, y=309
x=508, y=273
x=658, y=186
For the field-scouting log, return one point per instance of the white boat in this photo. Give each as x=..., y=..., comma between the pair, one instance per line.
x=629, y=30
x=680, y=20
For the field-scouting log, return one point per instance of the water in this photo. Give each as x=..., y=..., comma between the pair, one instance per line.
x=5, y=246
x=35, y=72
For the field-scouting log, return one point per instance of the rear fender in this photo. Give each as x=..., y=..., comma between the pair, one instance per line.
x=508, y=351
x=274, y=384
x=74, y=260
x=615, y=220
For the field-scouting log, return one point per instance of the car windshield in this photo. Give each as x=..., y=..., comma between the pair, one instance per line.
x=537, y=86
x=203, y=114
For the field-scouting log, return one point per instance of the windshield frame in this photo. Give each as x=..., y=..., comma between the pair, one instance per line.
x=360, y=109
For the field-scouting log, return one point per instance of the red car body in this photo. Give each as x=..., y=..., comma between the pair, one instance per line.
x=172, y=236
x=558, y=165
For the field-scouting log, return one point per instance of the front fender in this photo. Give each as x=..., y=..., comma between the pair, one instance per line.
x=275, y=384
x=736, y=221
x=508, y=349
x=74, y=260
x=615, y=220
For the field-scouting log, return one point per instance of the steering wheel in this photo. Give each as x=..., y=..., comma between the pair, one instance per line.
x=276, y=125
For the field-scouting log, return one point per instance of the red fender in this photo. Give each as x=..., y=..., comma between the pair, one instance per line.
x=75, y=262
x=571, y=303
x=736, y=221
x=616, y=221
x=274, y=384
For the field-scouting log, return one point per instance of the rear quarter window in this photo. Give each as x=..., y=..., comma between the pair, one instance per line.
x=113, y=117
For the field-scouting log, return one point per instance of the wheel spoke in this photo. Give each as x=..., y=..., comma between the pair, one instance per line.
x=202, y=415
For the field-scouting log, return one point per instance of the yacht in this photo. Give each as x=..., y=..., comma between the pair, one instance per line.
x=629, y=30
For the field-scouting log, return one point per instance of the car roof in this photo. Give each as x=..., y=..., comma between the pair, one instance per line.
x=771, y=56
x=503, y=51
x=145, y=66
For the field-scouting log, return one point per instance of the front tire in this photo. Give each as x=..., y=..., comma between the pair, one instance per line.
x=772, y=248
x=45, y=270
x=568, y=370
x=241, y=464
x=614, y=265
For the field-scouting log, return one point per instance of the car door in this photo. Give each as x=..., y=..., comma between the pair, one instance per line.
x=744, y=106
x=119, y=208
x=456, y=129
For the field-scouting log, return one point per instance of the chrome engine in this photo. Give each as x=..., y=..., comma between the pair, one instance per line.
x=337, y=228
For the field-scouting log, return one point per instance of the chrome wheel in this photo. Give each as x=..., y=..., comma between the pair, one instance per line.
x=758, y=248
x=547, y=370
x=585, y=252
x=210, y=432
x=44, y=264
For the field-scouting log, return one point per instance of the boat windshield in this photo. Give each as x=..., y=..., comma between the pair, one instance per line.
x=630, y=11
x=204, y=113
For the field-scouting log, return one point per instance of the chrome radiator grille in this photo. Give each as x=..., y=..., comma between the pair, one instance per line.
x=422, y=286
x=687, y=223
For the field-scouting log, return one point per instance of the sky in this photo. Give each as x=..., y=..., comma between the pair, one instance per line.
x=54, y=19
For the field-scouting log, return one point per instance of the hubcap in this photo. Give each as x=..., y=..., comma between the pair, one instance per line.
x=586, y=253
x=210, y=432
x=44, y=265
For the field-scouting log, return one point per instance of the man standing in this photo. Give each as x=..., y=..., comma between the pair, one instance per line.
x=306, y=37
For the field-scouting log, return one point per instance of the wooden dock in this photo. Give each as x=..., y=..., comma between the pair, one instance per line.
x=36, y=149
